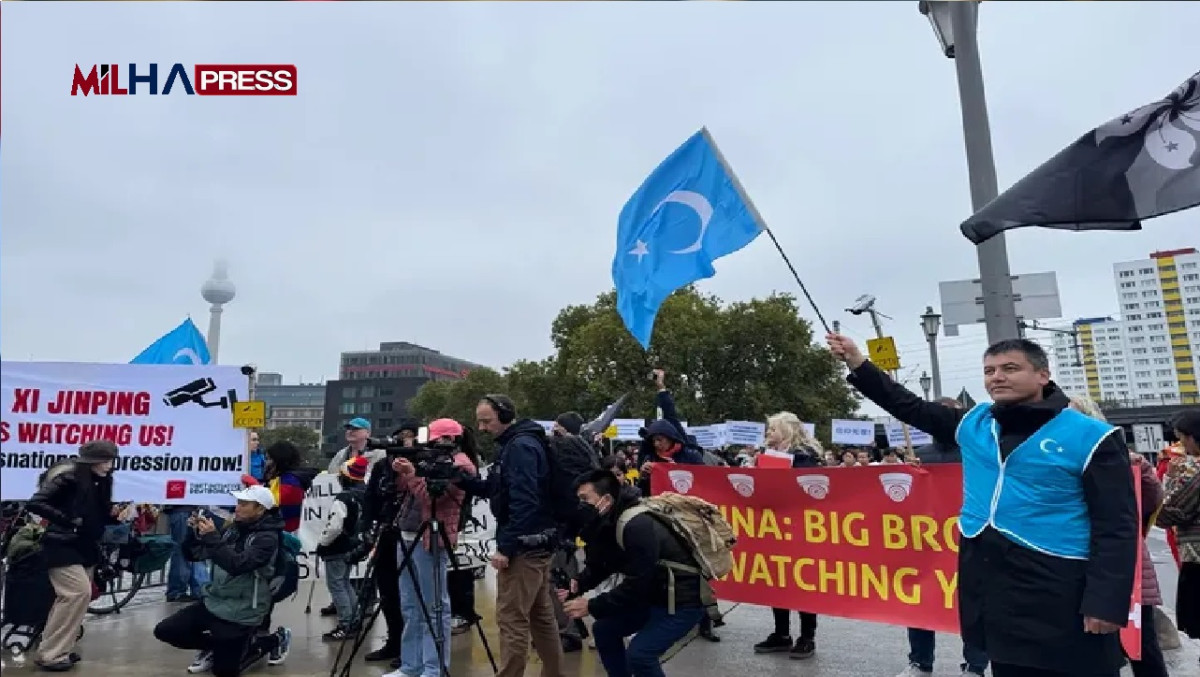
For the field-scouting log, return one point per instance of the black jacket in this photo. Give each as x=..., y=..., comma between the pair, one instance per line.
x=517, y=487
x=78, y=505
x=647, y=541
x=1021, y=606
x=805, y=458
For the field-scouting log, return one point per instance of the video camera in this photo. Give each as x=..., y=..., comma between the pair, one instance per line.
x=550, y=539
x=432, y=461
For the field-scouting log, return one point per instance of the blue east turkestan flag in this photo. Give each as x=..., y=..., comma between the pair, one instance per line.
x=182, y=345
x=688, y=213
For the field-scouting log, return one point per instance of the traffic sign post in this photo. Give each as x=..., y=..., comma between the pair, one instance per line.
x=882, y=352
x=252, y=414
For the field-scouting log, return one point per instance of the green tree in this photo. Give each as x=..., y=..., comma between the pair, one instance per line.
x=306, y=439
x=455, y=399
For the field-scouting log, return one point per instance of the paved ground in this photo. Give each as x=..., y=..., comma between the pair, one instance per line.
x=123, y=645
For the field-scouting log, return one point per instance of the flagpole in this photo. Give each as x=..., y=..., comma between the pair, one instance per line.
x=737, y=185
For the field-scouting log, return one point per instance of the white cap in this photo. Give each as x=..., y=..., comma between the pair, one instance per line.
x=256, y=494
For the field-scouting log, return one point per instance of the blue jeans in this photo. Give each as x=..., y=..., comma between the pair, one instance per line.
x=418, y=652
x=655, y=632
x=183, y=577
x=922, y=643
x=341, y=589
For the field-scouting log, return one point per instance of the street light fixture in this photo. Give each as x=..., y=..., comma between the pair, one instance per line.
x=926, y=381
x=956, y=26
x=938, y=14
x=931, y=322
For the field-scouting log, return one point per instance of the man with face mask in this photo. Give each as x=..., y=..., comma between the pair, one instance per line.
x=1049, y=519
x=640, y=604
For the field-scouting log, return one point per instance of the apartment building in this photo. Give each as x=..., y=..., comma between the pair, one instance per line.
x=1148, y=354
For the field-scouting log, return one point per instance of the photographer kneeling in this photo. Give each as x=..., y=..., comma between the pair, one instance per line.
x=429, y=560
x=642, y=603
x=222, y=627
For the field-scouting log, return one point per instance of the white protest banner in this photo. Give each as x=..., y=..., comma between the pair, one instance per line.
x=852, y=432
x=627, y=428
x=746, y=433
x=810, y=428
x=895, y=434
x=706, y=436
x=475, y=543
x=173, y=424
x=548, y=426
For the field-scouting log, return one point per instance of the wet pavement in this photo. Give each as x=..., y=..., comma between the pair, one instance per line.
x=123, y=644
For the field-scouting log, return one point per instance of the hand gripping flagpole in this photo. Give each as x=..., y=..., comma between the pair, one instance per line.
x=737, y=185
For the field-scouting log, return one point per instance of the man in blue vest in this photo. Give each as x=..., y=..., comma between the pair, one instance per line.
x=1049, y=518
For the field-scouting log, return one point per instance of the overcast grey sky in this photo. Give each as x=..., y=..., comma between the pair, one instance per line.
x=450, y=173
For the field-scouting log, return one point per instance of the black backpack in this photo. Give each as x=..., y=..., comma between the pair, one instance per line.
x=568, y=458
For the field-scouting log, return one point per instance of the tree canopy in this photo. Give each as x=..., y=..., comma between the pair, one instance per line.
x=738, y=361
x=306, y=439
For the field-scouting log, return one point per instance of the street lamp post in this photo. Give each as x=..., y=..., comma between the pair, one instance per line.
x=925, y=383
x=956, y=24
x=931, y=322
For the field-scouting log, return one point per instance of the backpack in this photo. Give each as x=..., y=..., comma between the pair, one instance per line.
x=700, y=527
x=285, y=580
x=568, y=459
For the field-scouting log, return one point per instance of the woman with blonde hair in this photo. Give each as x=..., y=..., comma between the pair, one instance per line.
x=787, y=437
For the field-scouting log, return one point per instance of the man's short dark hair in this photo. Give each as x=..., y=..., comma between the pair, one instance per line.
x=1032, y=352
x=603, y=481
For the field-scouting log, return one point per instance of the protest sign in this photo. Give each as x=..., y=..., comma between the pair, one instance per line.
x=627, y=428
x=475, y=542
x=172, y=423
x=895, y=435
x=844, y=431
x=745, y=433
x=876, y=543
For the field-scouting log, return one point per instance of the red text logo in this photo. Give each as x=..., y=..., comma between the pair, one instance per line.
x=176, y=489
x=203, y=79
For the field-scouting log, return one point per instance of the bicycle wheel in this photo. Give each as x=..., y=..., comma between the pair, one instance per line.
x=112, y=602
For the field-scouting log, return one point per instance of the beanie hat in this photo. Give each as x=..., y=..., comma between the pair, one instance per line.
x=97, y=451
x=571, y=421
x=356, y=468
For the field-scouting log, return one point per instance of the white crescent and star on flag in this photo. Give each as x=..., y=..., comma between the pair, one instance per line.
x=699, y=204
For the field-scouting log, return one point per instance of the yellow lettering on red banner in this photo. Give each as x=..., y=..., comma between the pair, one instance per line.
x=751, y=523
x=835, y=529
x=837, y=577
x=949, y=587
x=919, y=533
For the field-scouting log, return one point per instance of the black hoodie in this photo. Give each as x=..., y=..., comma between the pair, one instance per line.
x=647, y=542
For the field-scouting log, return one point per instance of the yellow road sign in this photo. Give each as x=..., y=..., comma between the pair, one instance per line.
x=611, y=432
x=251, y=414
x=882, y=351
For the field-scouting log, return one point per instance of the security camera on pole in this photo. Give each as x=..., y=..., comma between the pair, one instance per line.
x=881, y=350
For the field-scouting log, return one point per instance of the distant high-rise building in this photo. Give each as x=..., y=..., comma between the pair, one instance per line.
x=290, y=405
x=377, y=385
x=1148, y=355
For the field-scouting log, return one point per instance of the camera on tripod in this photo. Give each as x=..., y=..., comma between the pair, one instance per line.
x=432, y=461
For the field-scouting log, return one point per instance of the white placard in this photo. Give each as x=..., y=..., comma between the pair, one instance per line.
x=810, y=428
x=173, y=424
x=474, y=547
x=707, y=436
x=746, y=433
x=627, y=428
x=547, y=425
x=847, y=431
x=895, y=434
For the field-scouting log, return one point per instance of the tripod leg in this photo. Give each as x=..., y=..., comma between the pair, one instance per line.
x=435, y=625
x=477, y=621
x=312, y=587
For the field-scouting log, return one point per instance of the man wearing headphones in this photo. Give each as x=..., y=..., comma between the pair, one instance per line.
x=517, y=488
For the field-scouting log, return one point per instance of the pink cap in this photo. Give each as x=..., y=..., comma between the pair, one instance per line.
x=444, y=427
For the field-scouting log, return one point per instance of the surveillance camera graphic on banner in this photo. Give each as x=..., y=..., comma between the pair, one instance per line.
x=173, y=425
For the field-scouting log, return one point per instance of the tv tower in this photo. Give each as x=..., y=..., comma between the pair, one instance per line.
x=218, y=291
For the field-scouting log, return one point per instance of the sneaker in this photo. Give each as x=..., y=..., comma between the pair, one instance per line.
x=387, y=652
x=805, y=648
x=330, y=610
x=397, y=673
x=202, y=664
x=707, y=633
x=61, y=665
x=774, y=644
x=459, y=625
x=570, y=644
x=338, y=634
x=284, y=644
x=914, y=671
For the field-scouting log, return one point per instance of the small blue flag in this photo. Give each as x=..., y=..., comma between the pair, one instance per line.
x=182, y=345
x=689, y=212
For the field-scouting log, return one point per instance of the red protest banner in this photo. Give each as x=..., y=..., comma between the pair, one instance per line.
x=878, y=543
